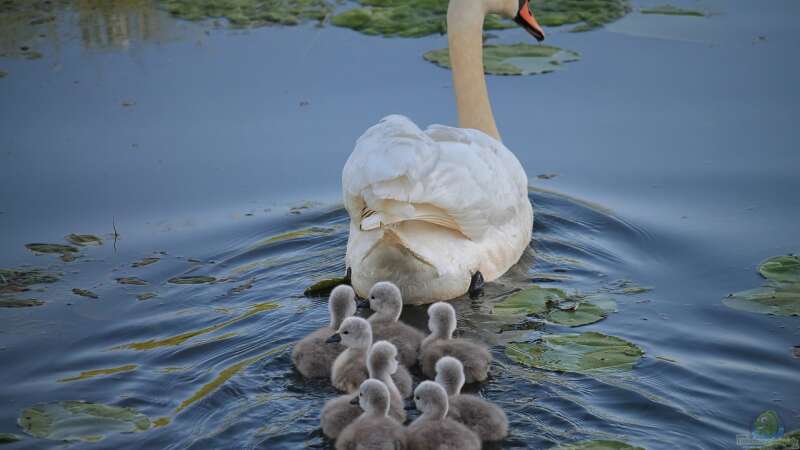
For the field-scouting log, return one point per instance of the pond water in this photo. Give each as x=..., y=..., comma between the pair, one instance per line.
x=674, y=142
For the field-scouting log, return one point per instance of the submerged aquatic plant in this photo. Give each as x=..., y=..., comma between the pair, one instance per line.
x=244, y=13
x=516, y=59
x=84, y=239
x=670, y=10
x=780, y=294
x=19, y=280
x=73, y=420
x=597, y=445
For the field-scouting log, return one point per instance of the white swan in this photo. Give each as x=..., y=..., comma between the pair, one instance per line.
x=439, y=211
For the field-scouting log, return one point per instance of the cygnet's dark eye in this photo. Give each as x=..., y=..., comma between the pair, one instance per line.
x=416, y=398
x=345, y=332
x=372, y=297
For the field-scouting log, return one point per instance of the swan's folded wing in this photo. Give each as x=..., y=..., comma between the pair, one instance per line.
x=456, y=178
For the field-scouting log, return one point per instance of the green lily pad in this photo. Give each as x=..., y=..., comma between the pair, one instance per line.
x=582, y=353
x=780, y=295
x=245, y=13
x=145, y=262
x=84, y=239
x=404, y=18
x=555, y=306
x=8, y=438
x=597, y=445
x=18, y=280
x=65, y=250
x=588, y=14
x=84, y=293
x=669, y=10
x=324, y=287
x=19, y=303
x=515, y=59
x=192, y=280
x=131, y=280
x=781, y=268
x=75, y=420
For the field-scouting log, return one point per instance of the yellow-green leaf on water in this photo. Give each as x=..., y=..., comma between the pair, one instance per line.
x=183, y=337
x=514, y=59
x=780, y=299
x=19, y=303
x=324, y=287
x=99, y=372
x=131, y=280
x=582, y=353
x=84, y=293
x=66, y=251
x=161, y=422
x=192, y=280
x=597, y=445
x=73, y=420
x=145, y=296
x=84, y=239
x=145, y=262
x=224, y=376
x=781, y=268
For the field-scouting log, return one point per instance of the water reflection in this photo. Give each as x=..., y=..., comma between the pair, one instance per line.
x=28, y=29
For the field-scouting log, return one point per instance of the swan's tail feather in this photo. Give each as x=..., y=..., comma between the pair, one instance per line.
x=396, y=212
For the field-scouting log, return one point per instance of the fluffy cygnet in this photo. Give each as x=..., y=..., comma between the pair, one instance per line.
x=311, y=356
x=433, y=430
x=386, y=301
x=350, y=367
x=382, y=365
x=373, y=430
x=474, y=357
x=487, y=420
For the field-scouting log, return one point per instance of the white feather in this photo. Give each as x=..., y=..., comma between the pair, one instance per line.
x=455, y=200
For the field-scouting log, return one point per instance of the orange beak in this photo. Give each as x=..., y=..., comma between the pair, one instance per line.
x=526, y=20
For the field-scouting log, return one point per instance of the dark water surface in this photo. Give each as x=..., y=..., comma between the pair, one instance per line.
x=675, y=144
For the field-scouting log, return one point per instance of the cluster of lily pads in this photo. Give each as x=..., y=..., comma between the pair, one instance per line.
x=780, y=294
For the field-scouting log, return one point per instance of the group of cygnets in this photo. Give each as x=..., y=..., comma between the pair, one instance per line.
x=369, y=361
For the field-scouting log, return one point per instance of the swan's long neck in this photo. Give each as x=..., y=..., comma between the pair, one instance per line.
x=465, y=39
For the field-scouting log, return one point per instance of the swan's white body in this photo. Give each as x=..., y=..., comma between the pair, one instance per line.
x=428, y=209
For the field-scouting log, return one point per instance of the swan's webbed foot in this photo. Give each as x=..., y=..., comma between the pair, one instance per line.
x=476, y=285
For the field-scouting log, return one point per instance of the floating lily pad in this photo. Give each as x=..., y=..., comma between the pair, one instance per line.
x=66, y=251
x=245, y=13
x=597, y=445
x=324, y=287
x=75, y=420
x=18, y=280
x=84, y=239
x=555, y=306
x=405, y=18
x=131, y=280
x=767, y=426
x=145, y=262
x=8, y=438
x=515, y=59
x=19, y=303
x=781, y=268
x=145, y=296
x=669, y=10
x=780, y=295
x=84, y=293
x=192, y=280
x=582, y=353
x=588, y=14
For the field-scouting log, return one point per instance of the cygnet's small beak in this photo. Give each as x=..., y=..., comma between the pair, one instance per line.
x=526, y=20
x=362, y=303
x=354, y=401
x=333, y=339
x=409, y=407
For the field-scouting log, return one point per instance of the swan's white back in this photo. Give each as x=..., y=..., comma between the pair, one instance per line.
x=430, y=208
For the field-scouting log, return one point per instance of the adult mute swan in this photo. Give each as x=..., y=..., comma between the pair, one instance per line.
x=439, y=211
